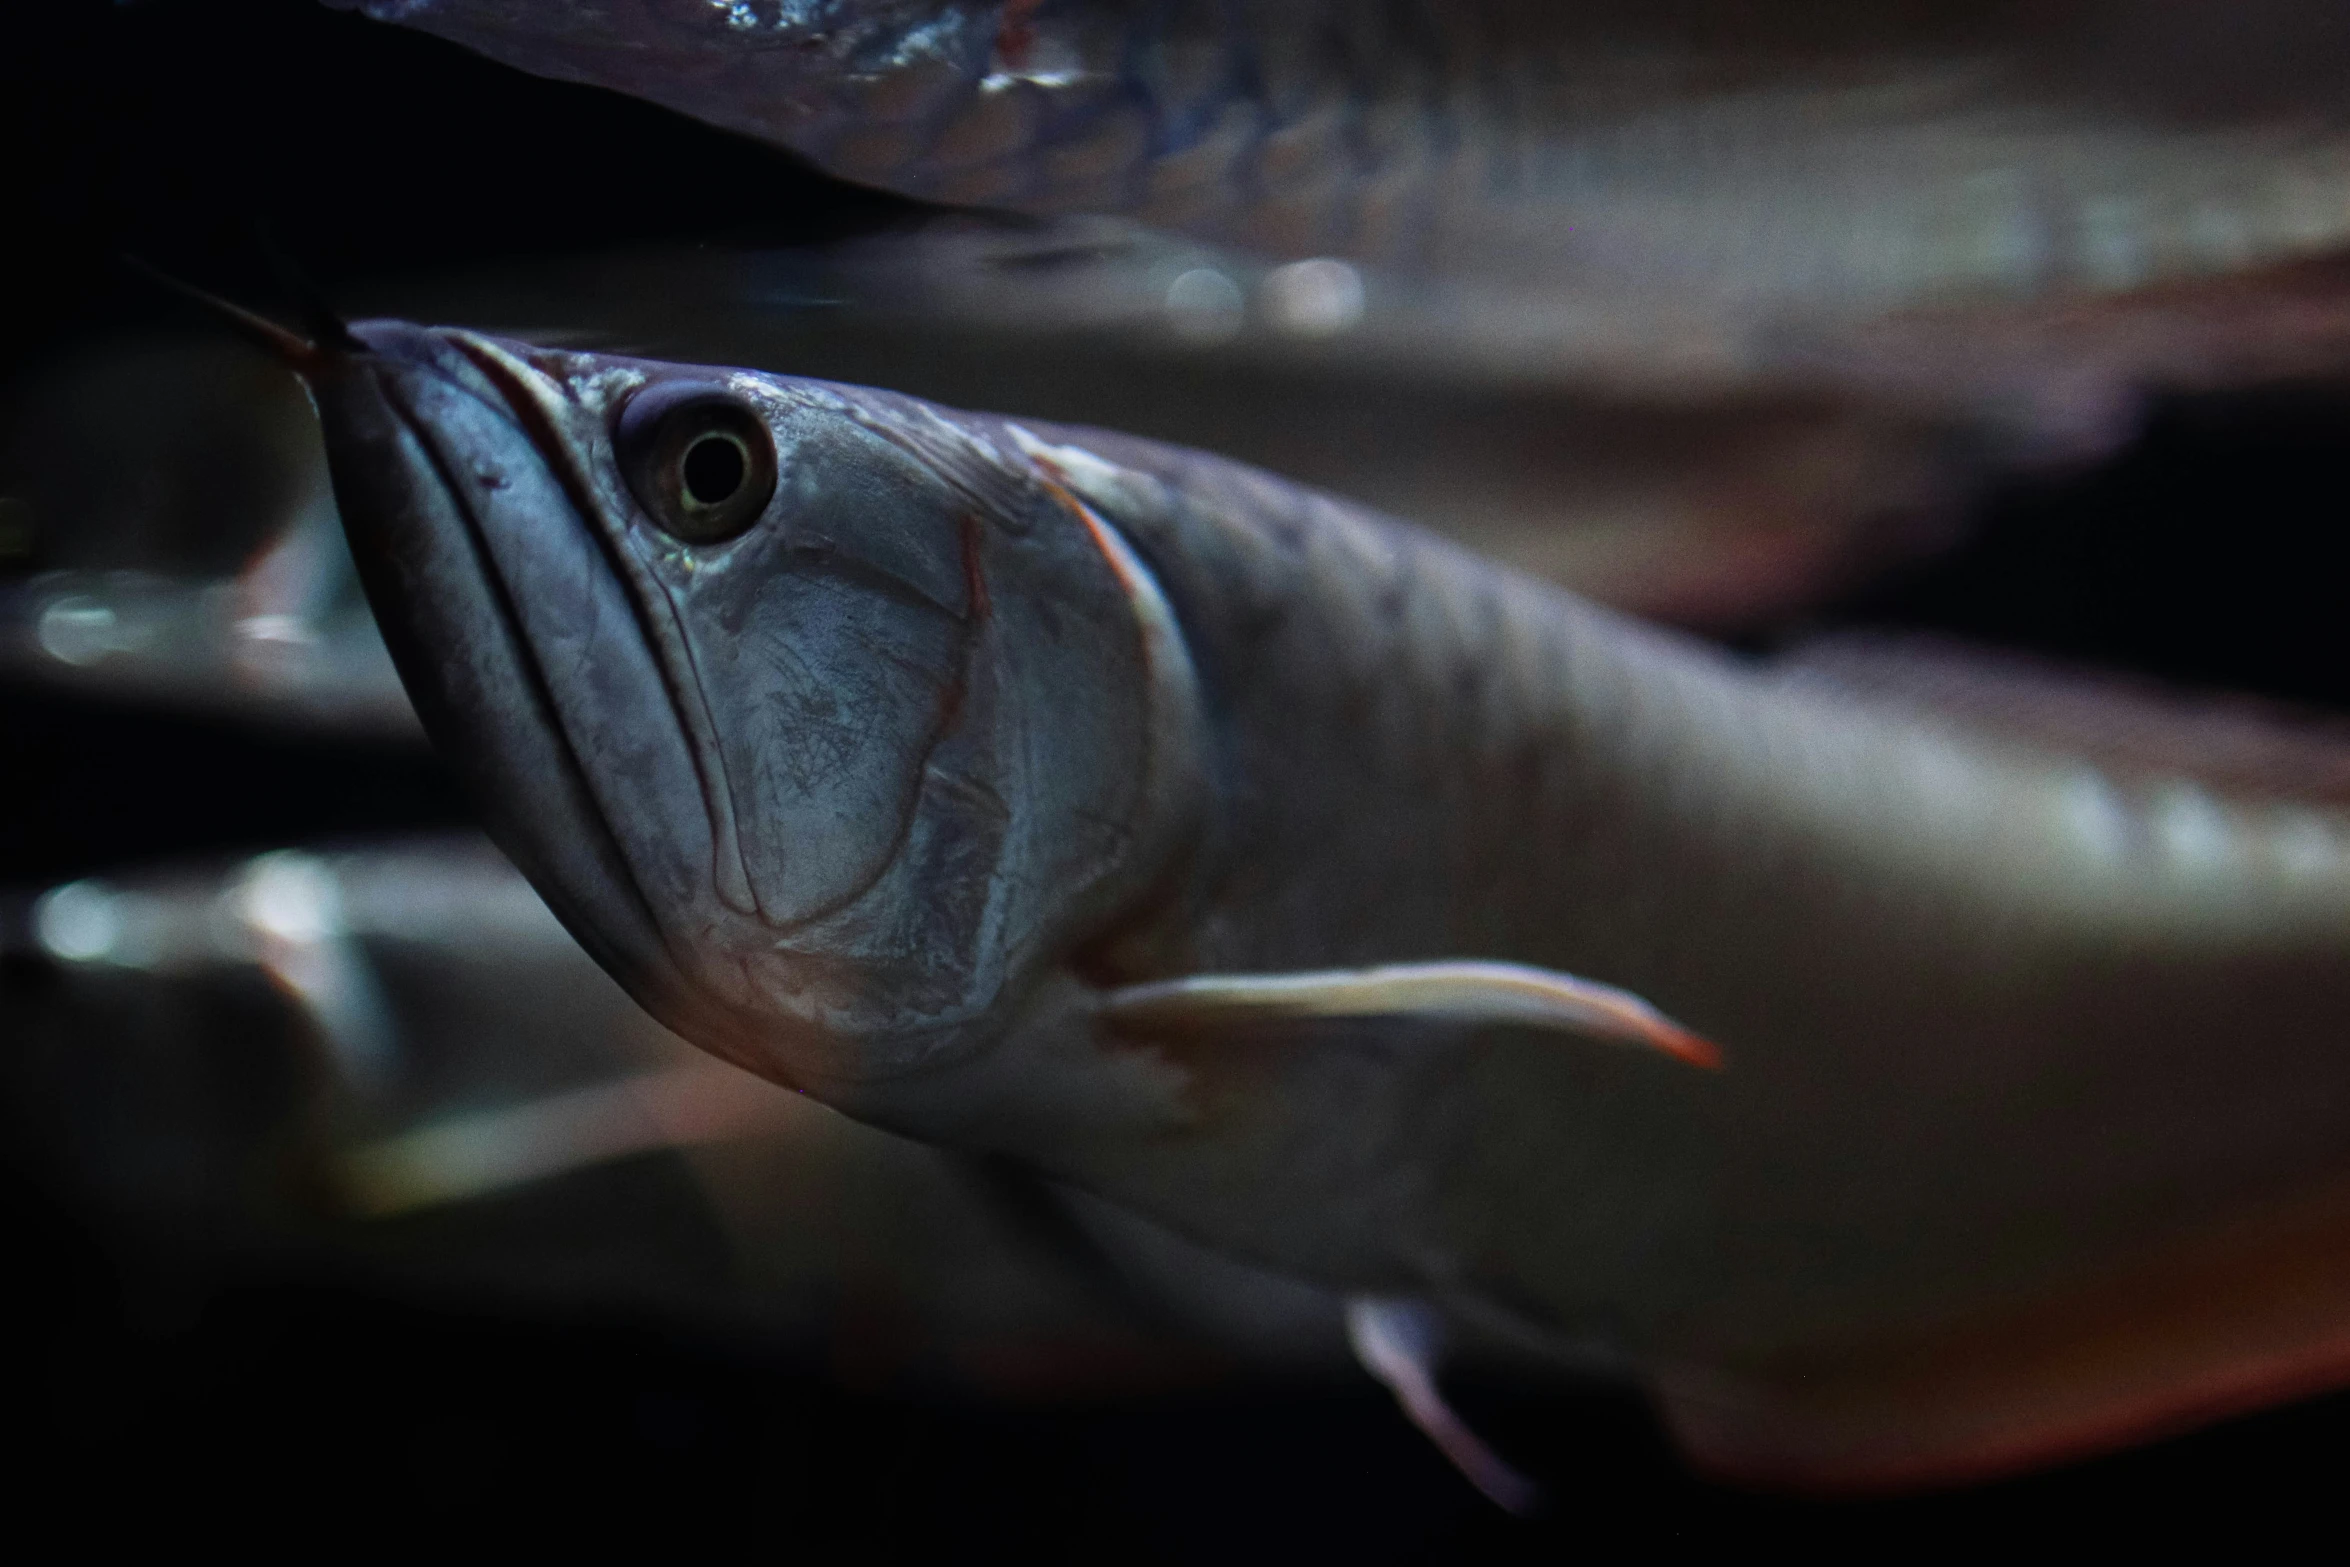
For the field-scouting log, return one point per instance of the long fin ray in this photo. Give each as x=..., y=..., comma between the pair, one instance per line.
x=1454, y=992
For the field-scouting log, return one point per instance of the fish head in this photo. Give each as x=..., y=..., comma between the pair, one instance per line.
x=827, y=720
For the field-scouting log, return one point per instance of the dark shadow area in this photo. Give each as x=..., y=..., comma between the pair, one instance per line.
x=93, y=786
x=239, y=1397
x=2211, y=551
x=181, y=130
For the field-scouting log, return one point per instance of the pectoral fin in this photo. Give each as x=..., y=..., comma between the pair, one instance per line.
x=1489, y=993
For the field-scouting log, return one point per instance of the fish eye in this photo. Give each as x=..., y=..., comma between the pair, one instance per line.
x=698, y=458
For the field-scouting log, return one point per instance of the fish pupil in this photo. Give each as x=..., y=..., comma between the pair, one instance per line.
x=714, y=469
x=697, y=457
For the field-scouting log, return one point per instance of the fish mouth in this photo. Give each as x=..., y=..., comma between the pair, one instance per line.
x=492, y=592
x=528, y=397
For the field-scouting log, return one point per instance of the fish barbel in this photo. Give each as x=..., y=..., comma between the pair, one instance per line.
x=1701, y=191
x=1295, y=880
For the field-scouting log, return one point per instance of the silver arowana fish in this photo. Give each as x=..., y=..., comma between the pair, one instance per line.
x=1282, y=874
x=1675, y=193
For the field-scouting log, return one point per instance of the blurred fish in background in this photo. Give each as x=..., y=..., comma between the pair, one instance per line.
x=185, y=550
x=1682, y=198
x=1745, y=319
x=426, y=1037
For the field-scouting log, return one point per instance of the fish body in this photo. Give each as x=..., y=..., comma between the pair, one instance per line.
x=1691, y=193
x=984, y=780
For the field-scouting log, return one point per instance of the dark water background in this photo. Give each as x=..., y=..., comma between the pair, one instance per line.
x=155, y=1384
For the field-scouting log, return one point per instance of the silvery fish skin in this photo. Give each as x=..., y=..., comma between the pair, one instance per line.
x=1691, y=190
x=951, y=770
